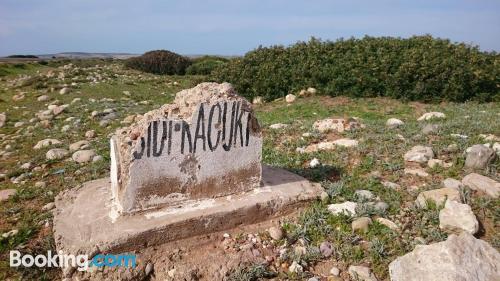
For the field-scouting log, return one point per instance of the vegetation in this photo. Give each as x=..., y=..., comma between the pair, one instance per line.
x=419, y=68
x=205, y=65
x=22, y=57
x=160, y=62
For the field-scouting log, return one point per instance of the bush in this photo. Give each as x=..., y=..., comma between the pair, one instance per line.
x=418, y=68
x=205, y=65
x=159, y=62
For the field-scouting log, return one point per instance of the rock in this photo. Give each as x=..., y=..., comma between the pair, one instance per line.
x=276, y=232
x=48, y=206
x=361, y=224
x=335, y=271
x=394, y=123
x=97, y=158
x=346, y=142
x=436, y=163
x=43, y=98
x=257, y=100
x=431, y=115
x=419, y=154
x=3, y=119
x=11, y=233
x=430, y=129
x=324, y=196
x=314, y=163
x=364, y=194
x=129, y=119
x=148, y=269
x=40, y=184
x=348, y=208
x=391, y=185
x=326, y=249
x=79, y=145
x=459, y=136
x=416, y=172
x=452, y=148
x=390, y=224
x=295, y=267
x=5, y=194
x=380, y=206
x=312, y=90
x=439, y=196
x=336, y=125
x=83, y=156
x=290, y=98
x=456, y=217
x=58, y=110
x=18, y=124
x=64, y=91
x=26, y=166
x=459, y=258
x=361, y=273
x=18, y=97
x=481, y=183
x=56, y=153
x=303, y=93
x=313, y=279
x=452, y=183
x=278, y=126
x=479, y=157
x=90, y=134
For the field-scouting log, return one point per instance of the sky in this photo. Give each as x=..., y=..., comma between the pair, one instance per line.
x=232, y=27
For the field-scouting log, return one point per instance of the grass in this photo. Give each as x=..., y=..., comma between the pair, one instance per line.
x=343, y=171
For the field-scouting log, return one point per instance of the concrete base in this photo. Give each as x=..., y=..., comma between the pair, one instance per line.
x=84, y=222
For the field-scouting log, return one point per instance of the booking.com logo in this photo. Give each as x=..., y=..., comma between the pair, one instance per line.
x=81, y=262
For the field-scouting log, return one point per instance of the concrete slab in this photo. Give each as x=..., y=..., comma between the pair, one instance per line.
x=85, y=221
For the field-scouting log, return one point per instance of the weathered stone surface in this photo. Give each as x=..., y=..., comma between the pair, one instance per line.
x=431, y=115
x=394, y=123
x=47, y=143
x=459, y=258
x=481, y=183
x=276, y=232
x=3, y=119
x=348, y=208
x=361, y=273
x=290, y=98
x=419, y=154
x=83, y=156
x=346, y=142
x=456, y=217
x=361, y=224
x=430, y=129
x=206, y=144
x=5, y=194
x=64, y=91
x=439, y=196
x=479, y=157
x=336, y=125
x=452, y=183
x=85, y=218
x=390, y=224
x=79, y=145
x=56, y=153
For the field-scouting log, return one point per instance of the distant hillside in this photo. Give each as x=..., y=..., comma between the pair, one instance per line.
x=83, y=55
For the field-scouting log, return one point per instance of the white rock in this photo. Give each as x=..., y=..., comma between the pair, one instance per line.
x=64, y=91
x=290, y=98
x=43, y=98
x=257, y=100
x=90, y=134
x=361, y=273
x=3, y=119
x=18, y=124
x=83, y=156
x=295, y=267
x=276, y=232
x=312, y=90
x=439, y=196
x=419, y=154
x=79, y=145
x=56, y=153
x=479, y=157
x=459, y=258
x=482, y=183
x=390, y=224
x=431, y=115
x=314, y=163
x=26, y=166
x=326, y=125
x=97, y=158
x=364, y=194
x=278, y=126
x=346, y=142
x=452, y=183
x=335, y=271
x=436, y=163
x=456, y=217
x=391, y=185
x=394, y=123
x=348, y=208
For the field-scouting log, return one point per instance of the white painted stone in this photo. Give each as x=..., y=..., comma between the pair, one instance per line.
x=457, y=217
x=206, y=144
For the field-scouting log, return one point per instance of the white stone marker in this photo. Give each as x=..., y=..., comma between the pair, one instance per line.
x=206, y=144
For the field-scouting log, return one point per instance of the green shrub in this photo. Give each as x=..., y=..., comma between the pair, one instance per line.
x=418, y=68
x=205, y=65
x=159, y=62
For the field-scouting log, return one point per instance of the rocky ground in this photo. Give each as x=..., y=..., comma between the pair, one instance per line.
x=405, y=183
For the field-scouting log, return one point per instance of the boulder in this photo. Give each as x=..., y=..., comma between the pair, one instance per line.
x=83, y=156
x=419, y=154
x=430, y=129
x=56, y=153
x=481, y=183
x=390, y=224
x=459, y=258
x=457, y=217
x=439, y=196
x=479, y=157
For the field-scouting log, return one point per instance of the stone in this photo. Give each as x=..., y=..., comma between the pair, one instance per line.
x=314, y=163
x=83, y=156
x=290, y=98
x=347, y=208
x=56, y=153
x=439, y=196
x=391, y=185
x=58, y=110
x=5, y=194
x=257, y=100
x=65, y=91
x=419, y=154
x=361, y=224
x=207, y=143
x=336, y=125
x=79, y=145
x=390, y=224
x=452, y=183
x=11, y=233
x=48, y=206
x=43, y=98
x=97, y=158
x=481, y=183
x=312, y=90
x=276, y=232
x=479, y=157
x=3, y=119
x=40, y=184
x=90, y=134
x=416, y=172
x=335, y=271
x=394, y=123
x=457, y=217
x=326, y=249
x=278, y=126
x=26, y=166
x=431, y=115
x=18, y=124
x=430, y=129
x=436, y=163
x=346, y=142
x=364, y=194
x=18, y=97
x=459, y=258
x=295, y=267
x=361, y=273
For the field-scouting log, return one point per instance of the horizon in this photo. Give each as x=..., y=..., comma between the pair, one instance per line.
x=229, y=28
